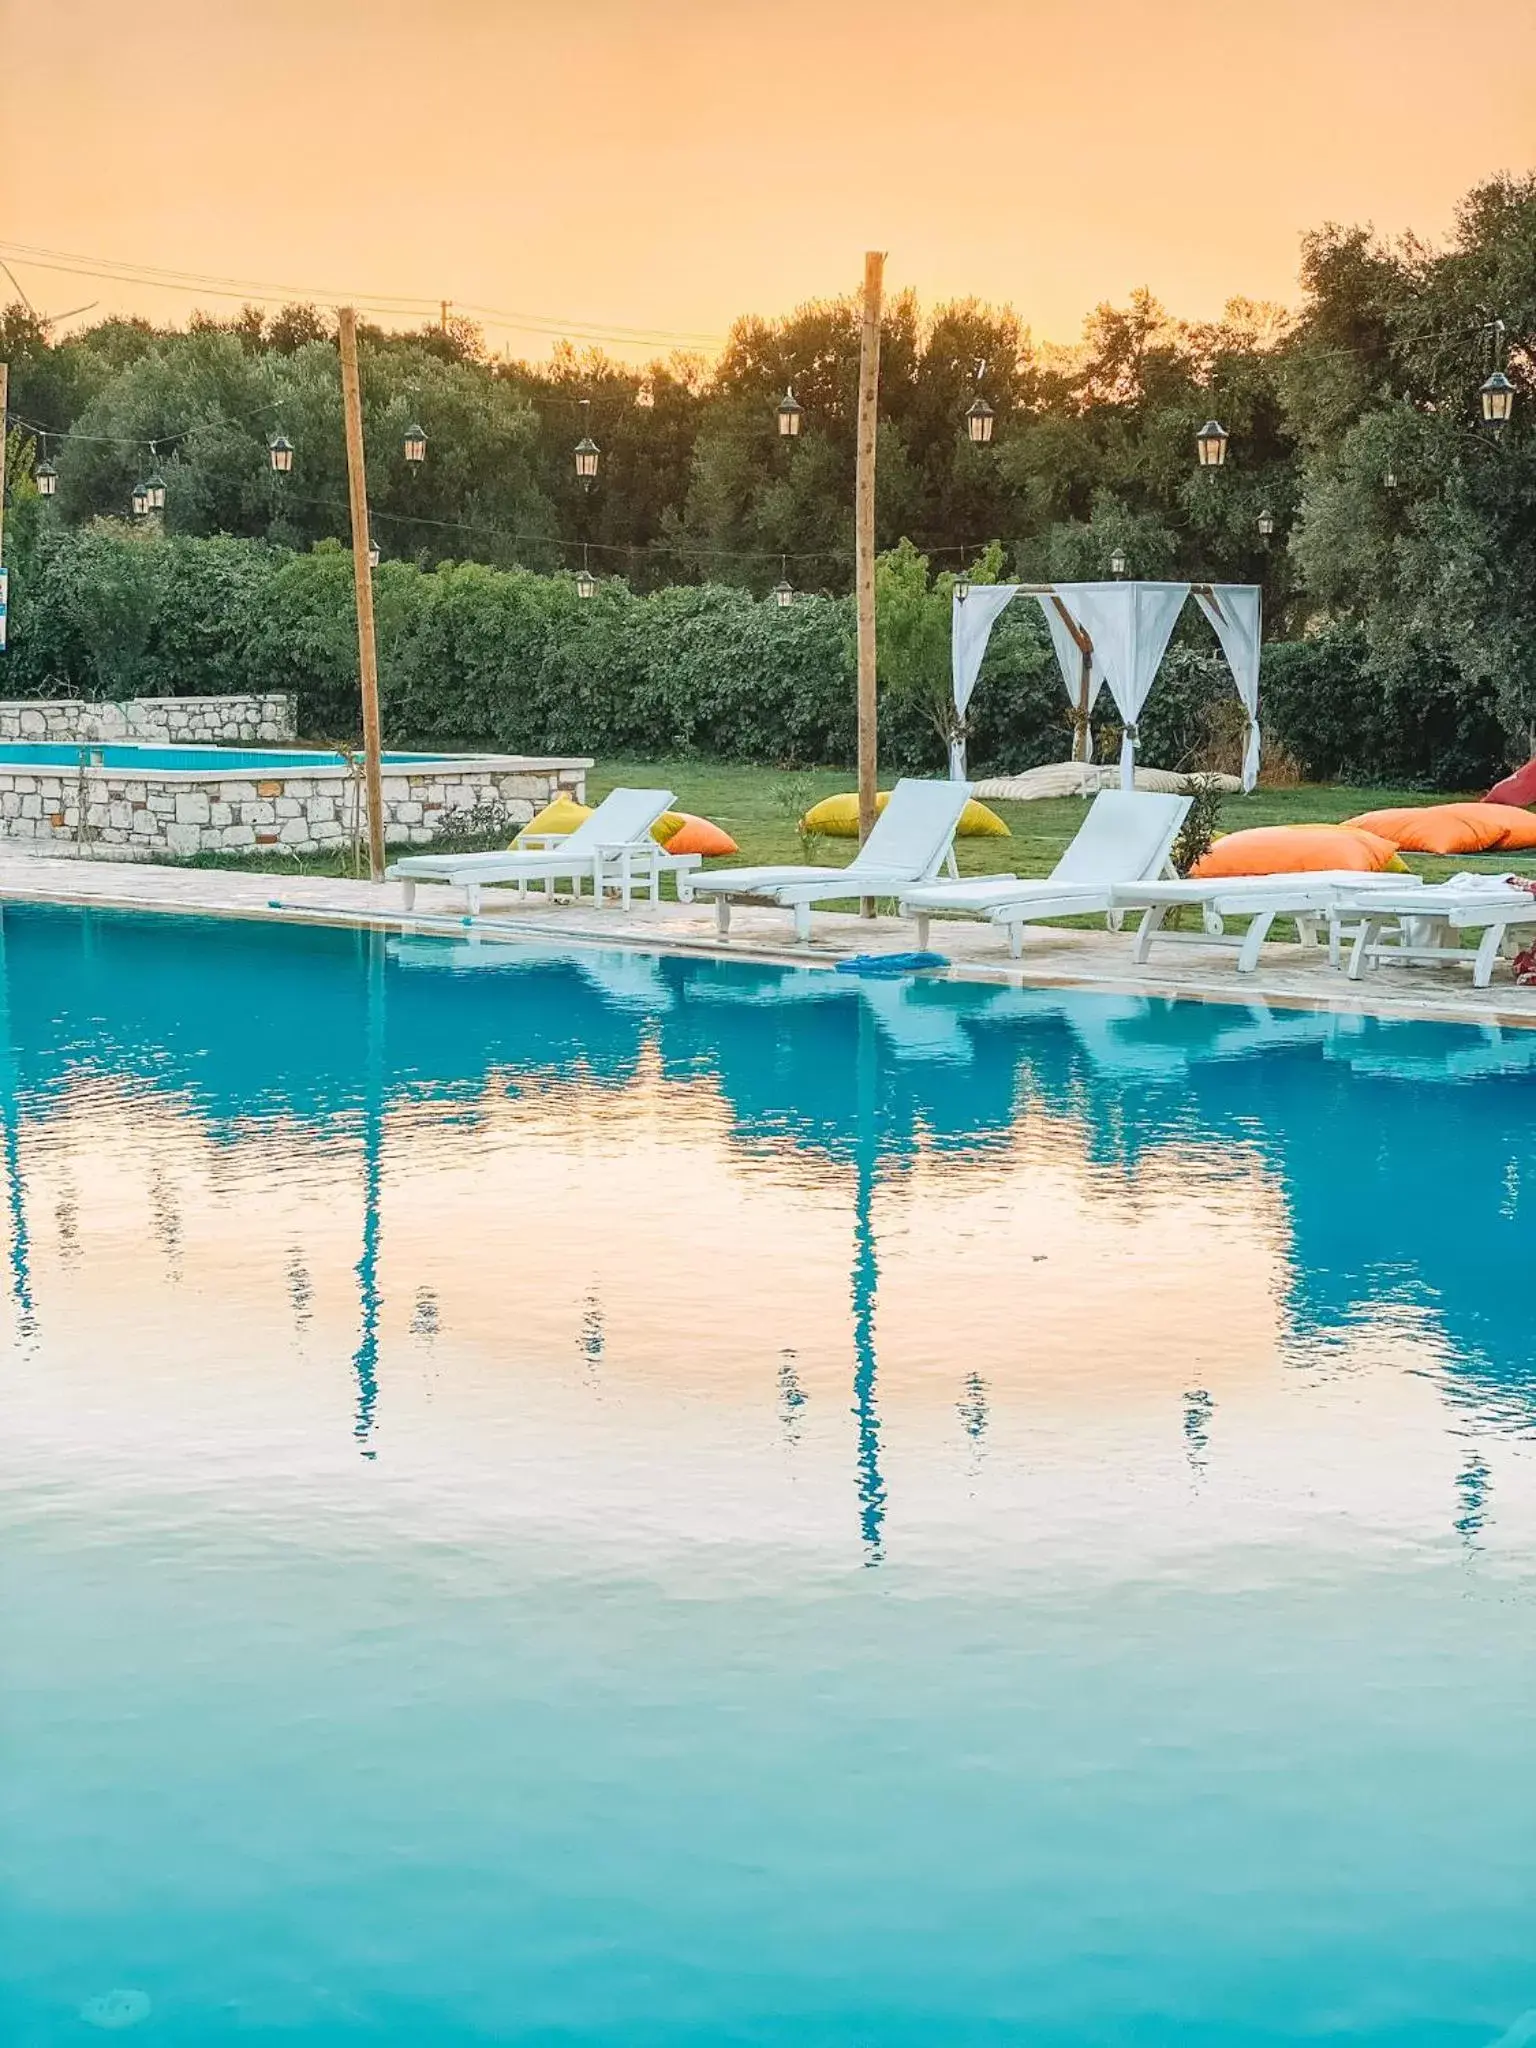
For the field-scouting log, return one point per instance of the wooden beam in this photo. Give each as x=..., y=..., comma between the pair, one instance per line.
x=864, y=539
x=362, y=584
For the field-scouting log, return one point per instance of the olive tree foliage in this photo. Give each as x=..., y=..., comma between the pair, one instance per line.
x=1416, y=528
x=1413, y=604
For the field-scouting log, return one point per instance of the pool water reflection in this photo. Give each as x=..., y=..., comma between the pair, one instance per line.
x=582, y=1497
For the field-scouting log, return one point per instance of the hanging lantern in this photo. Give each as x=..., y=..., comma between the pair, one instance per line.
x=280, y=453
x=1266, y=523
x=979, y=422
x=414, y=446
x=154, y=490
x=1211, y=445
x=373, y=552
x=1389, y=481
x=46, y=477
x=1118, y=563
x=1498, y=396
x=962, y=588
x=791, y=412
x=586, y=583
x=783, y=593
x=588, y=455
x=140, y=500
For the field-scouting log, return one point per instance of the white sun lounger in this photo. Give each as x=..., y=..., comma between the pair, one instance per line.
x=1416, y=925
x=913, y=837
x=1127, y=834
x=1313, y=900
x=613, y=847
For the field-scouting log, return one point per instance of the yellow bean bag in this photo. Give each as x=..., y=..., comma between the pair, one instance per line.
x=1294, y=850
x=1454, y=828
x=837, y=817
x=563, y=815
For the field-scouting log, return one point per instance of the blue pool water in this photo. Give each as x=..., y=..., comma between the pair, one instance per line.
x=180, y=760
x=581, y=1498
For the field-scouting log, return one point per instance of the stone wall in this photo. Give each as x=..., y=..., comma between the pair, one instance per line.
x=304, y=810
x=177, y=721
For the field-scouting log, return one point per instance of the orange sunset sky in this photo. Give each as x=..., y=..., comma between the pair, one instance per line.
x=654, y=170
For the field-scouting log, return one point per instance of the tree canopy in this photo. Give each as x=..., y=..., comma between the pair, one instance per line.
x=1353, y=423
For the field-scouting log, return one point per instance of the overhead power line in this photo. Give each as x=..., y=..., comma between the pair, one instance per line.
x=385, y=305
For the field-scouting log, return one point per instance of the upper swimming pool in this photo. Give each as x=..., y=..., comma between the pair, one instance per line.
x=160, y=760
x=558, y=1496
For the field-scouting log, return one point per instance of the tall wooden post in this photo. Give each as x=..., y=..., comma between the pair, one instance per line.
x=864, y=542
x=362, y=583
x=5, y=399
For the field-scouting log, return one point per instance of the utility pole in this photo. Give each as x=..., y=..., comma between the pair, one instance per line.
x=864, y=542
x=362, y=582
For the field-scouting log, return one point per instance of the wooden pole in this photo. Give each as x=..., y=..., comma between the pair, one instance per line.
x=864, y=543
x=5, y=399
x=362, y=583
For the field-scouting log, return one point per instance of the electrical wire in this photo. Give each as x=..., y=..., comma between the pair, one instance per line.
x=153, y=277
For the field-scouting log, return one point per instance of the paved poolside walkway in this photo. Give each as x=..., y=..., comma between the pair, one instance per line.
x=1054, y=957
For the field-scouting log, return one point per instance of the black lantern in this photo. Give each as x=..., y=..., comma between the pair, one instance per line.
x=1266, y=523
x=783, y=593
x=979, y=421
x=588, y=455
x=1389, y=481
x=140, y=500
x=962, y=588
x=1118, y=563
x=1498, y=396
x=280, y=453
x=46, y=477
x=373, y=552
x=154, y=492
x=586, y=583
x=791, y=411
x=1211, y=445
x=414, y=446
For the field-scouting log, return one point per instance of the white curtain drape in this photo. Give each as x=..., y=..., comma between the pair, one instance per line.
x=972, y=618
x=1130, y=625
x=1236, y=611
x=1069, y=660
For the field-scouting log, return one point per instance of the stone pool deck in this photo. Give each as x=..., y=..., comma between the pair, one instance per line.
x=1054, y=957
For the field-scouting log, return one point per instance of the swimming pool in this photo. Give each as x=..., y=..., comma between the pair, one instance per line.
x=578, y=1497
x=168, y=760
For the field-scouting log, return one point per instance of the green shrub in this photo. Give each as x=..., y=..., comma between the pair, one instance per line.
x=506, y=658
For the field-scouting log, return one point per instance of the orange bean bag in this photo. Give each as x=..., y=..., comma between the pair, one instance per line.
x=698, y=835
x=1295, y=850
x=1453, y=828
x=1516, y=828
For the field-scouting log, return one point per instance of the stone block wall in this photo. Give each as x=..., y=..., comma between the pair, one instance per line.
x=302, y=811
x=175, y=721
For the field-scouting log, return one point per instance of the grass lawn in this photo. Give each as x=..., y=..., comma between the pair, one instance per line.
x=759, y=808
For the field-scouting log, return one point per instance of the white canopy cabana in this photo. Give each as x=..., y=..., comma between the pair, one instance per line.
x=1113, y=634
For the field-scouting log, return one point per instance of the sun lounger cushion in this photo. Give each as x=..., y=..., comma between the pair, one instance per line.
x=698, y=835
x=1294, y=850
x=837, y=817
x=1454, y=828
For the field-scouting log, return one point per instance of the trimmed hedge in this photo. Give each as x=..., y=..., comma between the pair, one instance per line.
x=504, y=658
